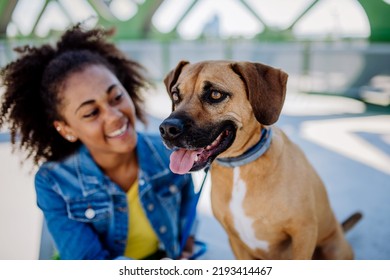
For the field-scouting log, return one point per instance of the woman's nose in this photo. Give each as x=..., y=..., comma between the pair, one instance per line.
x=113, y=113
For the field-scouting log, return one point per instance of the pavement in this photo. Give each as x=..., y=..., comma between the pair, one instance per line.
x=347, y=141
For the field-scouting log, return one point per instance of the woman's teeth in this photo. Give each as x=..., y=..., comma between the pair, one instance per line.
x=118, y=132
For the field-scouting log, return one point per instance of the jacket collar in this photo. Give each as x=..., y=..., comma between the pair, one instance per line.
x=150, y=153
x=91, y=177
x=150, y=161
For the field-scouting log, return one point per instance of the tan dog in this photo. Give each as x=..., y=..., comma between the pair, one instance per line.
x=265, y=193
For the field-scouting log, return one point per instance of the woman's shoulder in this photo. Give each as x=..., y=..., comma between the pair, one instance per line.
x=54, y=166
x=50, y=170
x=67, y=167
x=73, y=177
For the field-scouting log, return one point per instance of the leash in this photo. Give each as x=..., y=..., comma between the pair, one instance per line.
x=252, y=154
x=191, y=218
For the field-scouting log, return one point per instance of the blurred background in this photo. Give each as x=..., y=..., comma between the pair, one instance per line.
x=337, y=55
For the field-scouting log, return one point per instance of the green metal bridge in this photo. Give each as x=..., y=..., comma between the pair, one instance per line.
x=357, y=65
x=140, y=25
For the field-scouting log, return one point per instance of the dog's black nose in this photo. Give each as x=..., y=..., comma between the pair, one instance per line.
x=171, y=128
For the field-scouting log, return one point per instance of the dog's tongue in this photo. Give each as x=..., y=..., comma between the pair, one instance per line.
x=182, y=160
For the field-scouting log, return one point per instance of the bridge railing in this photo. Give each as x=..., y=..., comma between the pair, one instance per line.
x=347, y=68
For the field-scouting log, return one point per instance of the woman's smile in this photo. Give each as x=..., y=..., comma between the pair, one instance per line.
x=119, y=132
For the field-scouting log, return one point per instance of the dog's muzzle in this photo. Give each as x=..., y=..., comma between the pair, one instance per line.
x=194, y=148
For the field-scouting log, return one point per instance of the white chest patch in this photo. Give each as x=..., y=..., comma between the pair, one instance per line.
x=242, y=223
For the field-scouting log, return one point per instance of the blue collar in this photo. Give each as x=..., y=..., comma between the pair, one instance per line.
x=252, y=154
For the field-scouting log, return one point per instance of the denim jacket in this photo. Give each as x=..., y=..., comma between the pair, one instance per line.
x=87, y=213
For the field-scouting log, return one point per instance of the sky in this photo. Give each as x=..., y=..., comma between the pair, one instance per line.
x=334, y=17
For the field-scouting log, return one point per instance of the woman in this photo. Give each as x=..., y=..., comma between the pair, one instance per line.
x=105, y=190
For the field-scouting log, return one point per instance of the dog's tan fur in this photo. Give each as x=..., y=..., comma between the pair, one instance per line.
x=282, y=196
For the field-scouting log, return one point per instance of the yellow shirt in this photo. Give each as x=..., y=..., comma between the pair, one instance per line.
x=142, y=241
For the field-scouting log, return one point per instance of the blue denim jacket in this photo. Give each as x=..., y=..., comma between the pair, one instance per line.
x=87, y=213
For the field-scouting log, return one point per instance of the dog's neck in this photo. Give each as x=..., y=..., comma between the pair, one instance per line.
x=252, y=153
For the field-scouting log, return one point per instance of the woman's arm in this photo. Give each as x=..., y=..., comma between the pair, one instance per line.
x=73, y=239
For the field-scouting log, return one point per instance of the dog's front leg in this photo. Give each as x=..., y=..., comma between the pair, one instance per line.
x=304, y=243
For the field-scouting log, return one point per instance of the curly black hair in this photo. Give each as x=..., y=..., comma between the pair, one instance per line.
x=32, y=83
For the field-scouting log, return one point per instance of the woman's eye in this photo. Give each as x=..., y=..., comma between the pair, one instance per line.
x=91, y=114
x=118, y=97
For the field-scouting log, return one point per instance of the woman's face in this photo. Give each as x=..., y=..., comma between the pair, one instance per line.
x=97, y=111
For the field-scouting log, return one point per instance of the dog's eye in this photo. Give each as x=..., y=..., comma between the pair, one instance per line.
x=175, y=97
x=216, y=95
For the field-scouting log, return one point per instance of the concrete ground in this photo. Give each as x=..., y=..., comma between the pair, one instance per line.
x=347, y=141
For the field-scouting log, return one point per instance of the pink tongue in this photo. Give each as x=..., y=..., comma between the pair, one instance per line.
x=182, y=160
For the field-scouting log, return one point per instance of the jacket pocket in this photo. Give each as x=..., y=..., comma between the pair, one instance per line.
x=94, y=210
x=91, y=209
x=169, y=196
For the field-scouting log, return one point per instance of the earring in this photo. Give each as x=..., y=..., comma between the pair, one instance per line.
x=70, y=138
x=58, y=128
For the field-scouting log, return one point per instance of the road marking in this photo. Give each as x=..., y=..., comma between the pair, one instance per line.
x=339, y=135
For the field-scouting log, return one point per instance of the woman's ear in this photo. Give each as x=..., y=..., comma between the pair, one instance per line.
x=64, y=130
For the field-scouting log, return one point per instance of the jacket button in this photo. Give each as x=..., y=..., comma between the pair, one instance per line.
x=121, y=209
x=163, y=229
x=173, y=188
x=150, y=207
x=90, y=213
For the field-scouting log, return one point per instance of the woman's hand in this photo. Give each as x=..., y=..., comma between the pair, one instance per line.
x=188, y=249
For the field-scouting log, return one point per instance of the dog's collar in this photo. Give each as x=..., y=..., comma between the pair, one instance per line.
x=252, y=154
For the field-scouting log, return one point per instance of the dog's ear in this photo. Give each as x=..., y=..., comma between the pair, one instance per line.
x=266, y=89
x=172, y=76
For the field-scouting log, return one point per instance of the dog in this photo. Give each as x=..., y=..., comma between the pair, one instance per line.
x=265, y=193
